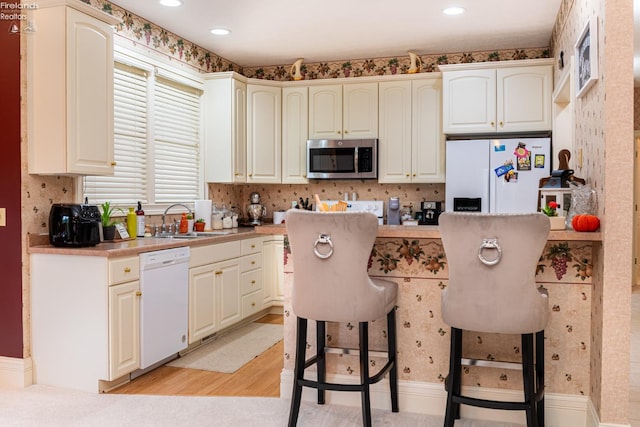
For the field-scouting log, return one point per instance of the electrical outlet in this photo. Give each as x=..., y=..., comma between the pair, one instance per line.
x=3, y=217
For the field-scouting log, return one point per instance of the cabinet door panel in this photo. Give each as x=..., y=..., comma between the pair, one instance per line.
x=394, y=145
x=228, y=288
x=470, y=101
x=325, y=112
x=360, y=115
x=295, y=131
x=524, y=98
x=264, y=140
x=124, y=329
x=427, y=153
x=202, y=303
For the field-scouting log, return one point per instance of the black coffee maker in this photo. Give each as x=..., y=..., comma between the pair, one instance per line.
x=430, y=213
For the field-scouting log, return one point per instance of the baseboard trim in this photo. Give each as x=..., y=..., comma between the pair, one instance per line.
x=561, y=410
x=594, y=421
x=16, y=372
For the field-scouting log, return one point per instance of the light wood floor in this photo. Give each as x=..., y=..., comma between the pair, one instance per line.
x=260, y=377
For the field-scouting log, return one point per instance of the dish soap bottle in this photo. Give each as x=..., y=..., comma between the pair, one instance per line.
x=184, y=224
x=140, y=220
x=131, y=223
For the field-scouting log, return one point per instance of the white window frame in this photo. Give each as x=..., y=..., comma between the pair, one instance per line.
x=156, y=65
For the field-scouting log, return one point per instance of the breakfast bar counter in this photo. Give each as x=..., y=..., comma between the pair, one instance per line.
x=413, y=257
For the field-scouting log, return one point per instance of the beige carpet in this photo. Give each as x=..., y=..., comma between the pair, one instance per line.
x=231, y=351
x=44, y=406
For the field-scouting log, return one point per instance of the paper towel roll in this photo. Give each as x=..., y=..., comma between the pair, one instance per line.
x=203, y=210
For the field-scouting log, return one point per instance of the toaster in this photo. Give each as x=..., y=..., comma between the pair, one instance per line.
x=74, y=225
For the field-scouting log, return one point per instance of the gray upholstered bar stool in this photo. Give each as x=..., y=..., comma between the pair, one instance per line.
x=492, y=260
x=330, y=284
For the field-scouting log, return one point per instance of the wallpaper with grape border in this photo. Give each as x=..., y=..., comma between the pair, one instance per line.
x=140, y=31
x=419, y=267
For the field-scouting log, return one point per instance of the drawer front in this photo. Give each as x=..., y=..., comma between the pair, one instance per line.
x=252, y=303
x=202, y=255
x=251, y=281
x=252, y=246
x=123, y=270
x=250, y=262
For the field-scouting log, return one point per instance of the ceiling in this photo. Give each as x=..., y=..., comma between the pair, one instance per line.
x=278, y=32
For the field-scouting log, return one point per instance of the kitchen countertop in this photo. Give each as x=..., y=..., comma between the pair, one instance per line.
x=39, y=244
x=433, y=232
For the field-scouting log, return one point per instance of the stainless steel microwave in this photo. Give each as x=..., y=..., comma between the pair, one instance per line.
x=342, y=158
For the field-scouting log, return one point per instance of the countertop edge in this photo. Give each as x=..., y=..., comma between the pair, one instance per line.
x=135, y=246
x=432, y=232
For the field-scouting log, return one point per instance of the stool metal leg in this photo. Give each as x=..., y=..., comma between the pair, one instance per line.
x=455, y=378
x=393, y=373
x=540, y=376
x=364, y=374
x=528, y=379
x=298, y=372
x=321, y=358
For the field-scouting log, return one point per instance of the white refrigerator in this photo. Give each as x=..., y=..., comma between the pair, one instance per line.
x=495, y=175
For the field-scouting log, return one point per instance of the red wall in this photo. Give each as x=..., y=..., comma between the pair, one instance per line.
x=11, y=341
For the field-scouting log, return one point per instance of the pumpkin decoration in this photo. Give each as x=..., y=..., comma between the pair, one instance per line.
x=585, y=222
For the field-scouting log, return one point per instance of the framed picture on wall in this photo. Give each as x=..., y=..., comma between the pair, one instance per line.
x=587, y=57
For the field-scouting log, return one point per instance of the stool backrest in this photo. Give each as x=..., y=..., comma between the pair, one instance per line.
x=499, y=298
x=336, y=288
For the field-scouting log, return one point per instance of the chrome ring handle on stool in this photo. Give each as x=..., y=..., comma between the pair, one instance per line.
x=324, y=239
x=490, y=244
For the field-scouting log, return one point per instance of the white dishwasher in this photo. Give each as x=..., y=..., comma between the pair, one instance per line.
x=164, y=283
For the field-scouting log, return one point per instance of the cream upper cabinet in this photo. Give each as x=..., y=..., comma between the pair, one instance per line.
x=494, y=97
x=225, y=109
x=411, y=143
x=394, y=144
x=295, y=130
x=70, y=90
x=348, y=111
x=427, y=139
x=264, y=135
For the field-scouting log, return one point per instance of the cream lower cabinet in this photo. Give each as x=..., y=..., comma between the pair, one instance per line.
x=70, y=90
x=225, y=285
x=511, y=96
x=85, y=320
x=264, y=134
x=411, y=143
x=273, y=270
x=225, y=128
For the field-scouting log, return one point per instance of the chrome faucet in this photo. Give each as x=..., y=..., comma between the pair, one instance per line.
x=163, y=229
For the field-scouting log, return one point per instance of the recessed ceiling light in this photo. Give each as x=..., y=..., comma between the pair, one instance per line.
x=219, y=31
x=171, y=3
x=453, y=10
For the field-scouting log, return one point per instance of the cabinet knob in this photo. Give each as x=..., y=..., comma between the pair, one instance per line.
x=253, y=262
x=236, y=174
x=253, y=246
x=113, y=163
x=408, y=175
x=338, y=132
x=250, y=174
x=253, y=304
x=218, y=273
x=253, y=282
x=414, y=174
x=501, y=125
x=493, y=123
x=346, y=131
x=138, y=293
x=127, y=270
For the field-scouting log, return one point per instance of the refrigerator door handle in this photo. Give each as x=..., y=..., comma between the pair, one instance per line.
x=489, y=189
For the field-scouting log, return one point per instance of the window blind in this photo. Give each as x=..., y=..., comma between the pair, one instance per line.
x=129, y=182
x=176, y=141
